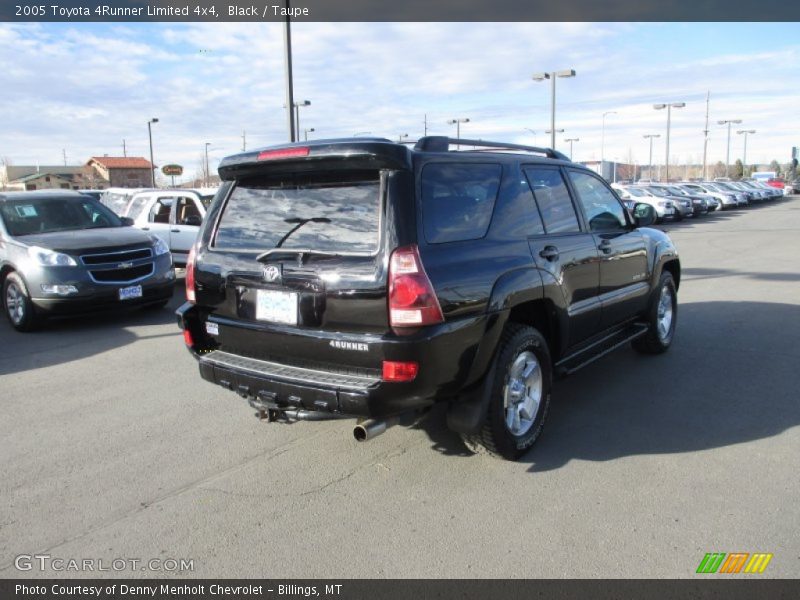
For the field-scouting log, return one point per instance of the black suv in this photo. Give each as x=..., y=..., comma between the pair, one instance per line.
x=361, y=277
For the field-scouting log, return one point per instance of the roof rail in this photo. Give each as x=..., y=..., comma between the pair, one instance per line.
x=440, y=143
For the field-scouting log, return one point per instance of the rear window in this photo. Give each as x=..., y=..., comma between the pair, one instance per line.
x=458, y=200
x=332, y=212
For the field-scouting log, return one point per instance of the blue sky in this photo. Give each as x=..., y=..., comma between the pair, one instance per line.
x=86, y=87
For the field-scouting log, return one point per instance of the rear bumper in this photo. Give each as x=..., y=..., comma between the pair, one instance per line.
x=450, y=358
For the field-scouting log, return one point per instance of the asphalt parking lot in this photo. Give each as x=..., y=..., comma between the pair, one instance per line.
x=113, y=447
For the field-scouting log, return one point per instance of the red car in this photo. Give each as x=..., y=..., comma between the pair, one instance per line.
x=776, y=182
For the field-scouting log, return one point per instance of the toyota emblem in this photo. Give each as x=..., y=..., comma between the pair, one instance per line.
x=272, y=273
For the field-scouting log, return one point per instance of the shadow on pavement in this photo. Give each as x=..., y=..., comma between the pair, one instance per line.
x=68, y=339
x=729, y=378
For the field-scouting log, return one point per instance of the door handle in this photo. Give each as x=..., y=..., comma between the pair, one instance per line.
x=145, y=229
x=175, y=230
x=605, y=246
x=549, y=253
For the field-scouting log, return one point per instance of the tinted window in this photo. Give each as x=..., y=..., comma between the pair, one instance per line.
x=603, y=211
x=553, y=200
x=45, y=215
x=458, y=200
x=333, y=212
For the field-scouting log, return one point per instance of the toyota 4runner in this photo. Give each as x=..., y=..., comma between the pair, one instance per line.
x=365, y=278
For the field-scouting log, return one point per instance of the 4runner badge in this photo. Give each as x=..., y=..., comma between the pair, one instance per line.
x=272, y=273
x=349, y=346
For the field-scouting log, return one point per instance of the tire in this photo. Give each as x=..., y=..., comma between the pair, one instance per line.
x=662, y=317
x=17, y=304
x=522, y=372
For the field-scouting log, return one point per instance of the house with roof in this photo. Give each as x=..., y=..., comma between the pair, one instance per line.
x=122, y=171
x=43, y=180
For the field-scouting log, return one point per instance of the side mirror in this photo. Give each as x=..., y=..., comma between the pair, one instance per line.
x=126, y=221
x=195, y=220
x=644, y=215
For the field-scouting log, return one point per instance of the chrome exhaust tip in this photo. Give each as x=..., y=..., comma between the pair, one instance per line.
x=370, y=429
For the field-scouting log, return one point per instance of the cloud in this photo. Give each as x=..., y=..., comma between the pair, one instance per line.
x=86, y=87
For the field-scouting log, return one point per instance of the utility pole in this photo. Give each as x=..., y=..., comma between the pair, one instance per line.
x=64, y=152
x=287, y=50
x=244, y=140
x=425, y=122
x=705, y=139
x=124, y=148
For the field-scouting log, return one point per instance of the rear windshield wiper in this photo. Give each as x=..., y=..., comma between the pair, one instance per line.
x=298, y=223
x=301, y=251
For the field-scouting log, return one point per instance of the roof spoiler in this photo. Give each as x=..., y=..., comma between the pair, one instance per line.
x=440, y=143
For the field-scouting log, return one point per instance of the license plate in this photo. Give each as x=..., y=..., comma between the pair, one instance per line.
x=276, y=307
x=129, y=293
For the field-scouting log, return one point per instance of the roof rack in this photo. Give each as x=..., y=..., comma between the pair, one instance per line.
x=440, y=143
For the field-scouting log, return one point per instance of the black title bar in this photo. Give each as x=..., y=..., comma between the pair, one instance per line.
x=399, y=10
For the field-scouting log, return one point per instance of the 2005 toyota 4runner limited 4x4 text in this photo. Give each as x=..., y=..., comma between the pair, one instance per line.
x=366, y=278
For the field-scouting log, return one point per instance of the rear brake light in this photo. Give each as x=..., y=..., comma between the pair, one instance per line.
x=412, y=300
x=399, y=371
x=190, y=295
x=187, y=337
x=283, y=153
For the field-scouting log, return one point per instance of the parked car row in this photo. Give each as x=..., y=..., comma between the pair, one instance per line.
x=677, y=201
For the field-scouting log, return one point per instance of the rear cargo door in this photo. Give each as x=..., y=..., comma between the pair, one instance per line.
x=302, y=263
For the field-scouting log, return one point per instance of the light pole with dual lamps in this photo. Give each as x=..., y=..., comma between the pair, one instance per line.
x=669, y=108
x=457, y=123
x=728, y=122
x=297, y=106
x=746, y=132
x=152, y=165
x=571, y=141
x=552, y=77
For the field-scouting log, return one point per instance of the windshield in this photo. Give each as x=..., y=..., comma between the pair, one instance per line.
x=116, y=201
x=326, y=212
x=46, y=215
x=658, y=191
x=636, y=192
x=676, y=191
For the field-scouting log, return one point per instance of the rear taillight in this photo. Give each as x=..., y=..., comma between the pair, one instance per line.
x=190, y=295
x=187, y=338
x=283, y=153
x=399, y=371
x=412, y=300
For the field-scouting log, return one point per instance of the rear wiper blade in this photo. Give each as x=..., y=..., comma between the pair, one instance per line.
x=301, y=251
x=298, y=224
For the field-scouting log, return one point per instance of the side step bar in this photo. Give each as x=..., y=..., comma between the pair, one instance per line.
x=600, y=348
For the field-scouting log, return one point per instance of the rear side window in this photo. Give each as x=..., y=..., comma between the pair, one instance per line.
x=335, y=212
x=458, y=200
x=553, y=200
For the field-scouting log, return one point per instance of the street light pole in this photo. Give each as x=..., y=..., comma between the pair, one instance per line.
x=306, y=132
x=746, y=132
x=287, y=58
x=603, y=137
x=669, y=108
x=728, y=151
x=552, y=77
x=457, y=123
x=152, y=165
x=297, y=106
x=571, y=141
x=401, y=137
x=650, y=136
x=208, y=173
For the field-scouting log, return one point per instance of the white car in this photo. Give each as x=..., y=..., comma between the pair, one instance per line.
x=664, y=208
x=173, y=215
x=726, y=199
